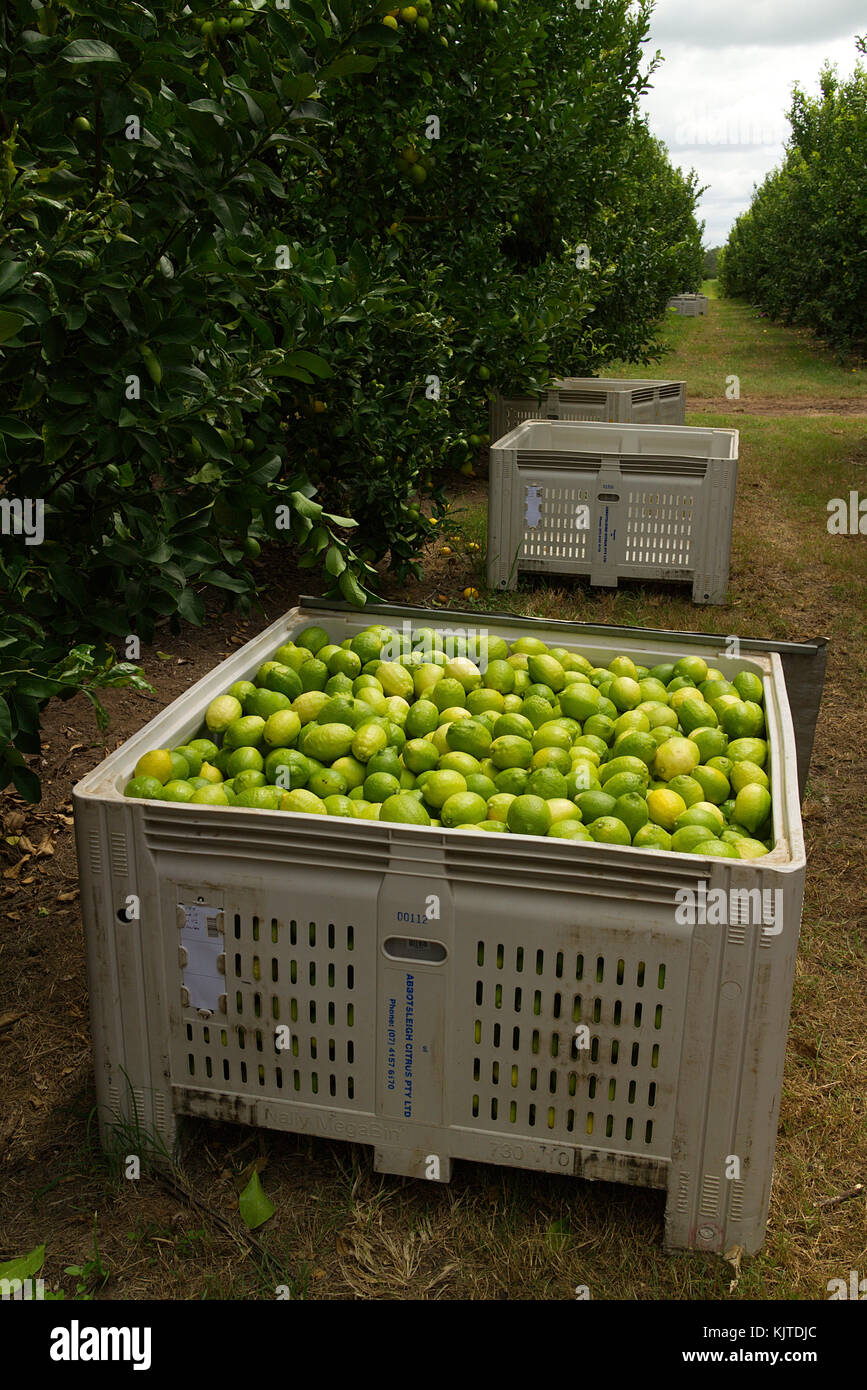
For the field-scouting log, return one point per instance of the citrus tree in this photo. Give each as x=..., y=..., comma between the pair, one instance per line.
x=263, y=264
x=800, y=250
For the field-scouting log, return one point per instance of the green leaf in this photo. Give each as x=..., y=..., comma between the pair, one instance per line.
x=9, y=324
x=254, y=1204
x=304, y=506
x=209, y=439
x=375, y=36
x=25, y=1266
x=5, y=724
x=297, y=86
x=191, y=606
x=208, y=474
x=350, y=589
x=89, y=51
x=11, y=274
x=17, y=428
x=26, y=783
x=334, y=561
x=349, y=63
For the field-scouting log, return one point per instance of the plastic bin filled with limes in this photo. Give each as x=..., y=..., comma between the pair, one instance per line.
x=477, y=734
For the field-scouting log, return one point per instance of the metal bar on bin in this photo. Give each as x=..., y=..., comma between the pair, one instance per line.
x=804, y=663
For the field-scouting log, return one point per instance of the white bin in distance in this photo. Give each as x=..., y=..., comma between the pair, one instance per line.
x=613, y=502
x=434, y=986
x=689, y=305
x=608, y=399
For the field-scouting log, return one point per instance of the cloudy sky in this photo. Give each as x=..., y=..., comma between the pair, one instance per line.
x=719, y=99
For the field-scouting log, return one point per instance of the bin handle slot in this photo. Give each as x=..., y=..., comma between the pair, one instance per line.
x=410, y=949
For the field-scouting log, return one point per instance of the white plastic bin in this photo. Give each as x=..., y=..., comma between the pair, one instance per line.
x=613, y=502
x=439, y=994
x=607, y=399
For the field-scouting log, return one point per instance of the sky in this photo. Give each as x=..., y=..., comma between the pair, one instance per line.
x=719, y=99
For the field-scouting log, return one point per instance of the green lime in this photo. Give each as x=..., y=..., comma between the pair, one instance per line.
x=745, y=772
x=537, y=710
x=469, y=736
x=622, y=783
x=481, y=785
x=509, y=751
x=464, y=763
x=439, y=786
x=743, y=719
x=313, y=638
x=749, y=686
x=327, y=782
x=699, y=816
x=752, y=806
x=367, y=646
x=685, y=839
x=749, y=849
x=593, y=805
x=624, y=764
x=448, y=693
x=261, y=798
x=714, y=849
x=337, y=805
x=265, y=702
x=608, y=830
x=222, y=712
x=694, y=668
x=636, y=745
x=144, y=787
x=753, y=750
x=242, y=690
x=250, y=778
x=304, y=802
x=687, y=787
x=313, y=675
x=624, y=692
x=484, y=701
x=580, y=700
x=285, y=681
x=386, y=760
x=244, y=760
x=338, y=685
x=715, y=787
x=529, y=815
x=463, y=808
x=329, y=741
x=244, y=733
x=369, y=739
x=600, y=726
x=403, y=809
x=546, y=670
x=204, y=747
x=287, y=768
x=512, y=780
x=548, y=783
x=191, y=756
x=582, y=778
x=420, y=756
x=674, y=757
x=423, y=718
x=631, y=721
x=209, y=796
x=551, y=735
x=652, y=836
x=631, y=809
x=710, y=742
x=569, y=830
x=513, y=725
x=664, y=807
x=557, y=758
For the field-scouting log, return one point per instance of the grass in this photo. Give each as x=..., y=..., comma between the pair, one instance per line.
x=772, y=362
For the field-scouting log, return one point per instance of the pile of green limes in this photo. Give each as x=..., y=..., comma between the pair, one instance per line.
x=478, y=734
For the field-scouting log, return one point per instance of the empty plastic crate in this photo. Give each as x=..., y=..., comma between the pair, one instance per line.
x=613, y=502
x=607, y=399
x=690, y=305
x=438, y=994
